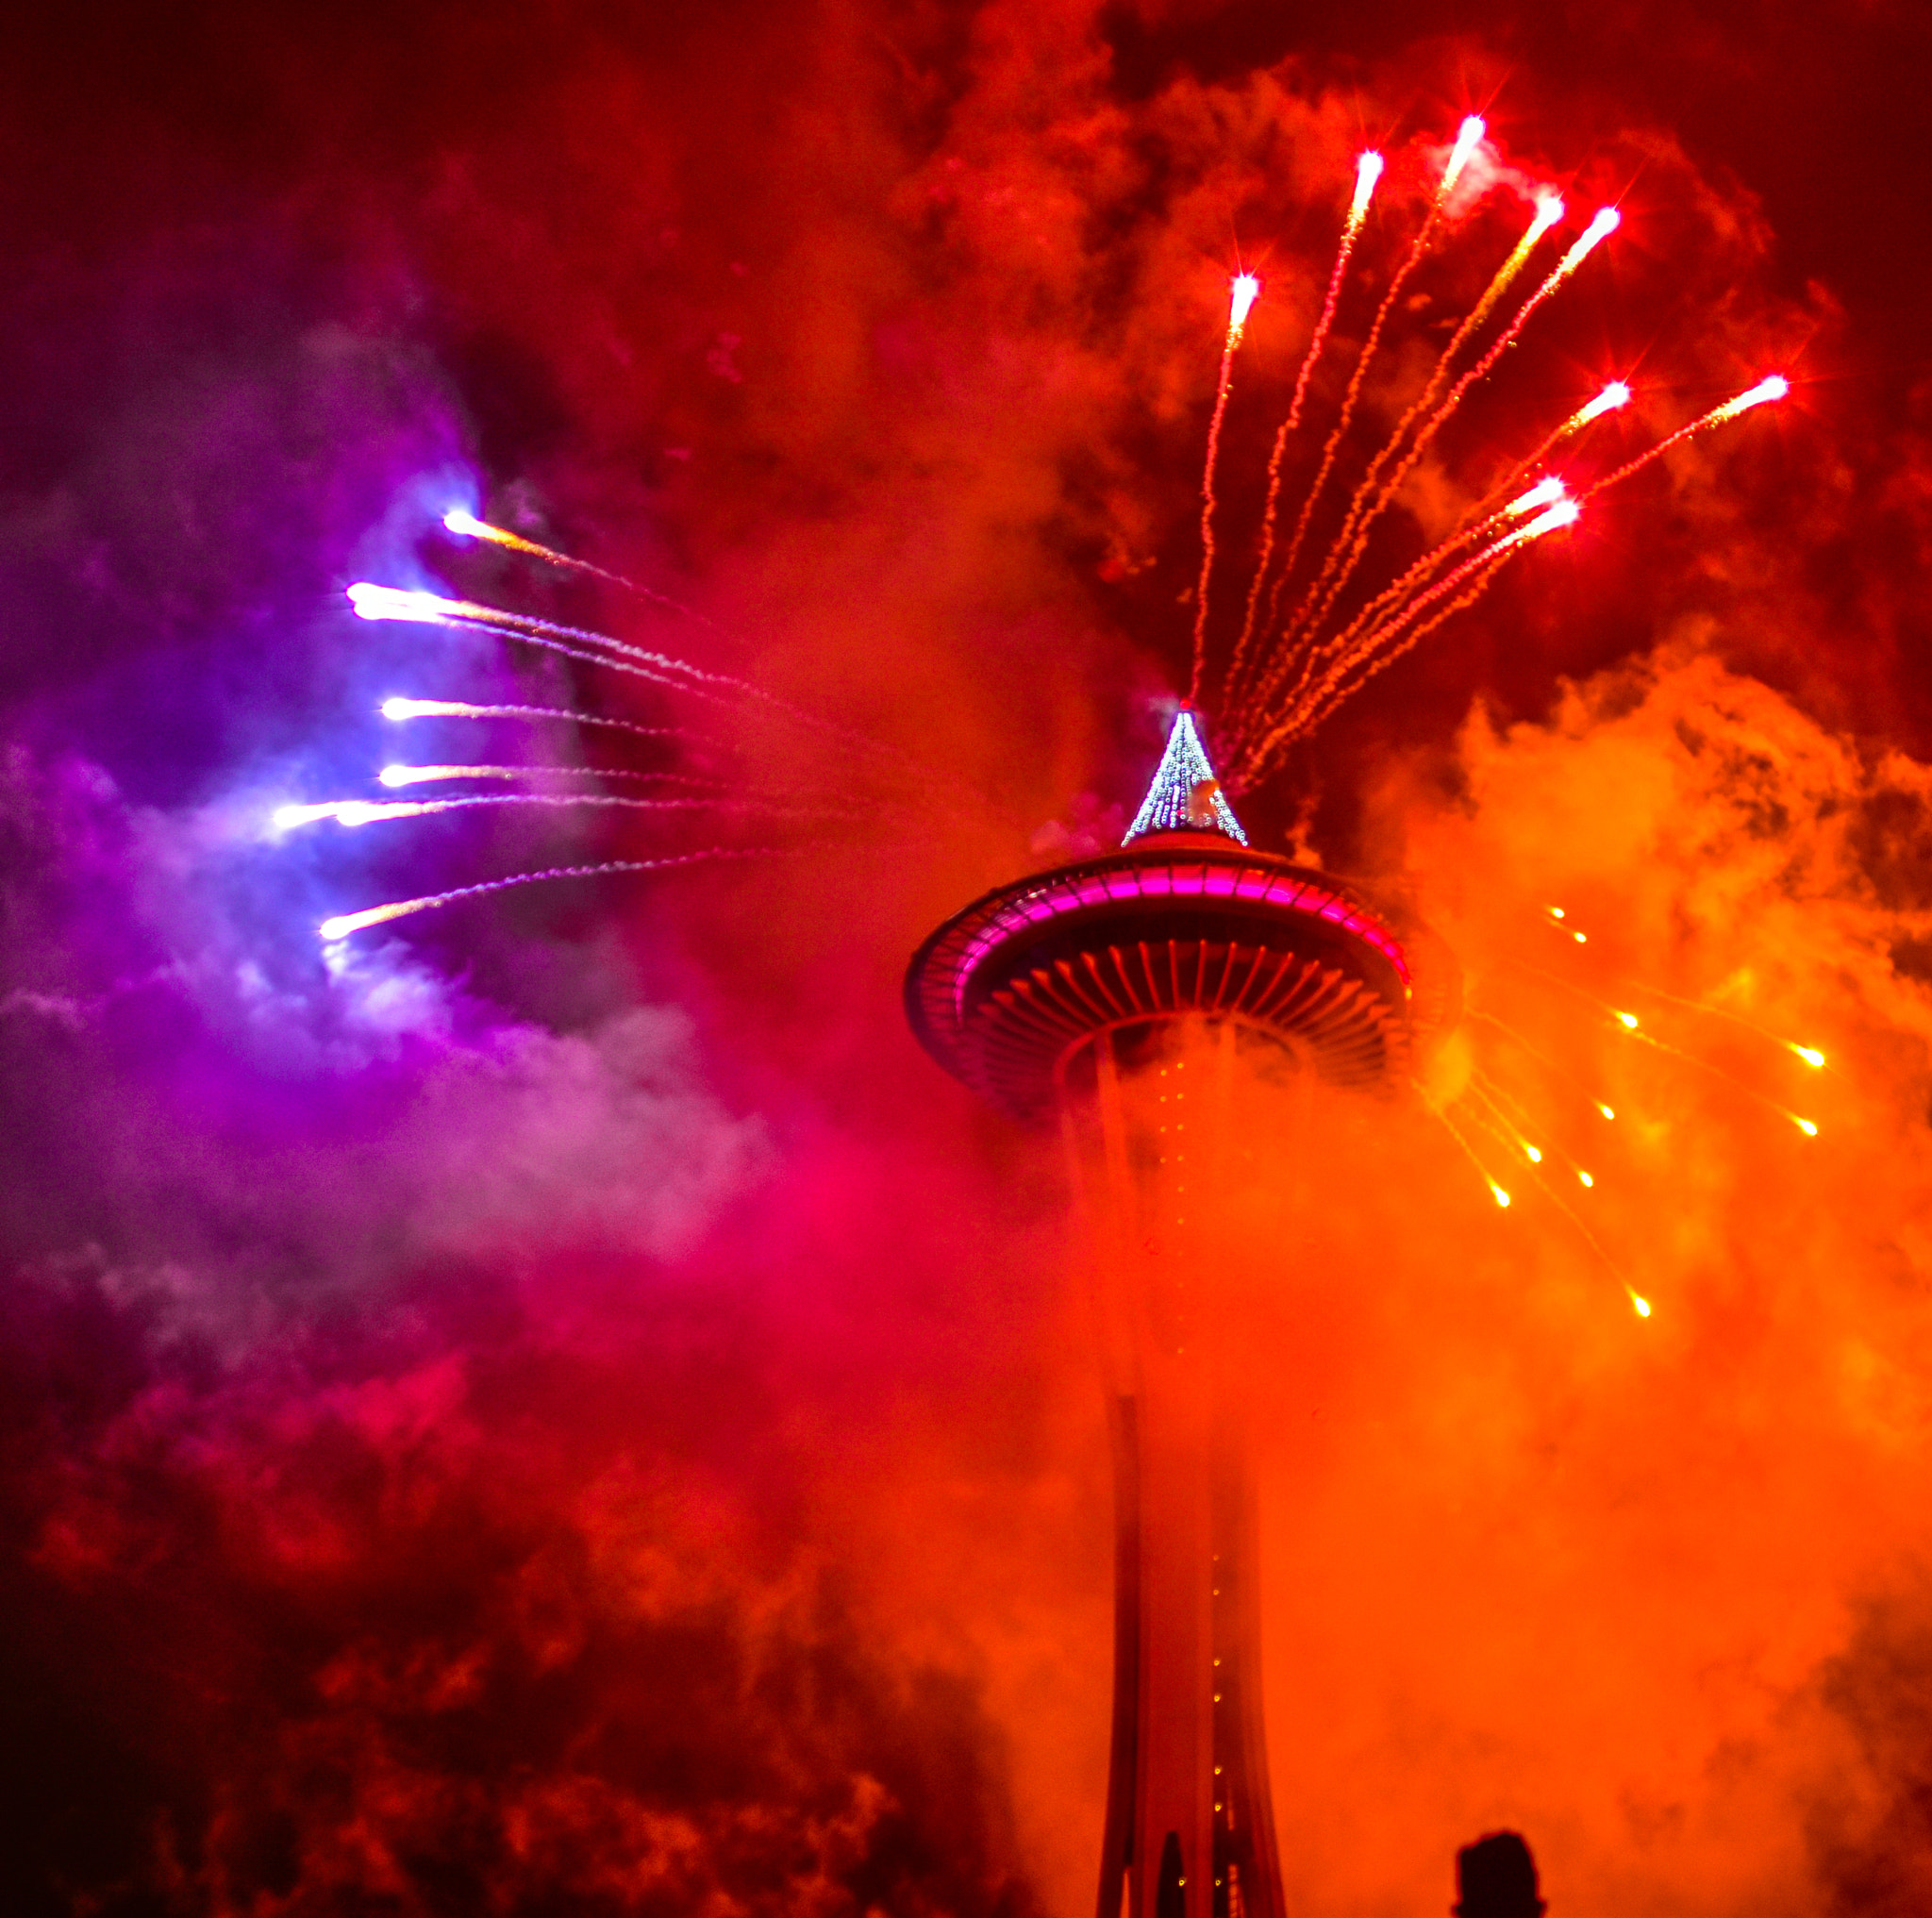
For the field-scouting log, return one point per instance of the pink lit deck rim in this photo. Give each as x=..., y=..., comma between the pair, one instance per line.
x=1206, y=881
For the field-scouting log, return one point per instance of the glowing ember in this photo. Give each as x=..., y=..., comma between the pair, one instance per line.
x=1613, y=397
x=1540, y=494
x=1243, y=291
x=1368, y=170
x=1468, y=138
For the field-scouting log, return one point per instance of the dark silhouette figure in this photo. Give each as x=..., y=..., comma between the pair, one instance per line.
x=1496, y=1878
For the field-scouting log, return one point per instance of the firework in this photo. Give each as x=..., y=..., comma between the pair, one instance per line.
x=1613, y=398
x=1767, y=392
x=1243, y=291
x=466, y=526
x=344, y=924
x=1275, y=691
x=1469, y=136
x=1471, y=132
x=1369, y=502
x=1367, y=172
x=400, y=708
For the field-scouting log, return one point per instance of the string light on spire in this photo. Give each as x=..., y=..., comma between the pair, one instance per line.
x=1186, y=794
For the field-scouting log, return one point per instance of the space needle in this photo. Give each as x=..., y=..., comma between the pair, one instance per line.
x=1137, y=1000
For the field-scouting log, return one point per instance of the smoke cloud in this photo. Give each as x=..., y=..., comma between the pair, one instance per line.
x=556, y=1404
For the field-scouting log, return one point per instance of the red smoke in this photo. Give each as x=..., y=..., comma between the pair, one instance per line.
x=565, y=1409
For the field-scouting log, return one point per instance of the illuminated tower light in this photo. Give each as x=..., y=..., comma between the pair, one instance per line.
x=1184, y=795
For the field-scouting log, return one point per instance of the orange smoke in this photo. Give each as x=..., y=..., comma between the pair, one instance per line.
x=1576, y=1504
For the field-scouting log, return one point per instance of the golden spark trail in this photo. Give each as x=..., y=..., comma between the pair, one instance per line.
x=1467, y=137
x=1242, y=292
x=1500, y=1095
x=344, y=924
x=1610, y=400
x=1508, y=1134
x=1516, y=1135
x=1632, y=1027
x=1469, y=1152
x=1543, y=1059
x=1807, y=1126
x=1329, y=689
x=399, y=709
x=1367, y=505
x=1765, y=392
x=1368, y=170
x=1599, y=229
x=1809, y=1054
x=467, y=525
x=1545, y=492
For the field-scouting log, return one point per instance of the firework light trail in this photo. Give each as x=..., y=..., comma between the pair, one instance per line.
x=1275, y=691
x=1613, y=398
x=400, y=708
x=1369, y=168
x=1243, y=291
x=344, y=924
x=395, y=776
x=1367, y=503
x=1351, y=544
x=607, y=653
x=1768, y=391
x=1466, y=141
x=358, y=812
x=466, y=526
x=1385, y=641
x=414, y=606
x=1545, y=492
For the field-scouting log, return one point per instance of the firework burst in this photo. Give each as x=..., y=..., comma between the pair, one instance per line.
x=1284, y=675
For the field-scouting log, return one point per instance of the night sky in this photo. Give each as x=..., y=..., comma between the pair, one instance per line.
x=554, y=1405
